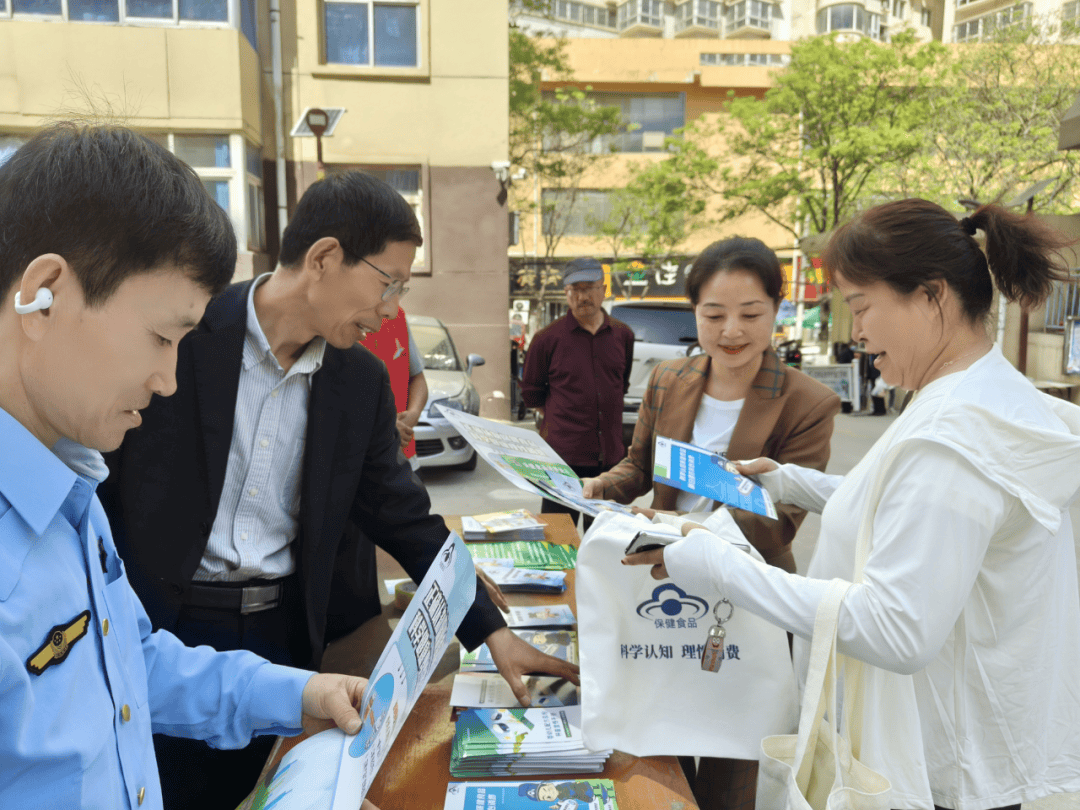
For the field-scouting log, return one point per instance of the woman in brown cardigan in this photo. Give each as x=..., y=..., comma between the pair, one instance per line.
x=738, y=399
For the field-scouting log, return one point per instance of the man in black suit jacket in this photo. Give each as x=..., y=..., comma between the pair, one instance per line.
x=235, y=542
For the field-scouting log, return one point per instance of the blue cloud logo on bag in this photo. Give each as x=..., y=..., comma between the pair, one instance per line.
x=670, y=606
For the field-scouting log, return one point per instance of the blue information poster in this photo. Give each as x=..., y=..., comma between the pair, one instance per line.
x=702, y=472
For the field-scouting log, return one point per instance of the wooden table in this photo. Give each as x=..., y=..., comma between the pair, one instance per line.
x=417, y=769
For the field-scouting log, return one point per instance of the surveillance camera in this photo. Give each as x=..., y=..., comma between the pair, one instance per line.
x=501, y=169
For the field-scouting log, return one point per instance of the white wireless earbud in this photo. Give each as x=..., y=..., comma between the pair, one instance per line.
x=42, y=300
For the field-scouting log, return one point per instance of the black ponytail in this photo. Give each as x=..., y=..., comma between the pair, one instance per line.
x=910, y=243
x=1023, y=254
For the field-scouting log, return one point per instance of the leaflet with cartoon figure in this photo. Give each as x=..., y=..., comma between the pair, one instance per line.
x=560, y=794
x=522, y=742
x=702, y=472
x=526, y=461
x=333, y=770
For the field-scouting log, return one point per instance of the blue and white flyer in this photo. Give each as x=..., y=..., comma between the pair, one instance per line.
x=702, y=472
x=526, y=461
x=303, y=779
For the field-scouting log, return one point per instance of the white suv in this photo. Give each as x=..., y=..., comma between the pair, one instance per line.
x=662, y=330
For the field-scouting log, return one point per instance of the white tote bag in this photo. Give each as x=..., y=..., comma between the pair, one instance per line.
x=642, y=687
x=815, y=769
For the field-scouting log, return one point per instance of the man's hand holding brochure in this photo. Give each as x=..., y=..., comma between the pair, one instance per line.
x=303, y=780
x=527, y=461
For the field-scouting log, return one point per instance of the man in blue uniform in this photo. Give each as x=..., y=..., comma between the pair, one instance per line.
x=109, y=251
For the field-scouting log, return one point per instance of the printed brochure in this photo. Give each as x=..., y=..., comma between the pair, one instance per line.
x=333, y=770
x=522, y=742
x=475, y=690
x=526, y=461
x=560, y=794
x=702, y=472
x=559, y=643
x=540, y=616
x=539, y=554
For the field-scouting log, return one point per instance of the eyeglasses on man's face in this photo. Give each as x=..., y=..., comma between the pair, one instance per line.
x=395, y=286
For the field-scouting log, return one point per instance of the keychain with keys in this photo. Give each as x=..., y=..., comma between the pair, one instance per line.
x=713, y=654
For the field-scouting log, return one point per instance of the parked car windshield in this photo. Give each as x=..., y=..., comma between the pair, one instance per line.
x=670, y=325
x=436, y=347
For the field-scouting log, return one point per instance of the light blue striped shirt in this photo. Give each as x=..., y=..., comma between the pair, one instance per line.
x=258, y=514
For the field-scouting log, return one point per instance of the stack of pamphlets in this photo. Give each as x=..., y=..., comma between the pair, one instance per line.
x=540, y=616
x=563, y=794
x=521, y=580
x=521, y=524
x=488, y=690
x=529, y=553
x=522, y=742
x=559, y=643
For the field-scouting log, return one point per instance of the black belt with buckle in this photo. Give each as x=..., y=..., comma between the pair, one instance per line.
x=252, y=596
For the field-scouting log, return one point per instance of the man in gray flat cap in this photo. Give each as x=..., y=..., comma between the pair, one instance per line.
x=576, y=373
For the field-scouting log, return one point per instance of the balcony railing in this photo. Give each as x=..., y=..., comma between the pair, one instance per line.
x=1063, y=303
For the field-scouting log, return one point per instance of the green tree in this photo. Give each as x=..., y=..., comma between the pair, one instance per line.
x=803, y=154
x=652, y=215
x=555, y=137
x=993, y=122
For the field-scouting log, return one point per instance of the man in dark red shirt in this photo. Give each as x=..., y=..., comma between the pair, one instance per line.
x=576, y=373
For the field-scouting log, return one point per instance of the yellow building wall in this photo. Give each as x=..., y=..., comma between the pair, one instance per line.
x=655, y=66
x=449, y=111
x=179, y=79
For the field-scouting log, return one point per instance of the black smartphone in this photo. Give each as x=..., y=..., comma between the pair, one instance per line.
x=647, y=541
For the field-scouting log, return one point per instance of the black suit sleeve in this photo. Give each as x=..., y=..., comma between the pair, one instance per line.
x=393, y=509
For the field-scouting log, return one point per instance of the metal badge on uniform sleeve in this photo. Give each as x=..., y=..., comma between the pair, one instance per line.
x=712, y=655
x=58, y=643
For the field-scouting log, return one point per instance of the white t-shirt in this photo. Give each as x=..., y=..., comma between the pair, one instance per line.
x=713, y=426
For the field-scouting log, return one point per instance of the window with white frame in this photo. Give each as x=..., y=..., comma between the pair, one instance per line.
x=976, y=29
x=405, y=180
x=1070, y=18
x=199, y=13
x=256, y=200
x=926, y=17
x=767, y=59
x=653, y=116
x=584, y=13
x=898, y=8
x=699, y=13
x=640, y=12
x=969, y=31
x=384, y=34
x=849, y=17
x=226, y=165
x=574, y=212
x=752, y=14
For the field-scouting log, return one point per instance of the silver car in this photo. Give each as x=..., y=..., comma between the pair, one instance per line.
x=437, y=443
x=663, y=330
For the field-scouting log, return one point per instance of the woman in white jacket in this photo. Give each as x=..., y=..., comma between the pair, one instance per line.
x=966, y=606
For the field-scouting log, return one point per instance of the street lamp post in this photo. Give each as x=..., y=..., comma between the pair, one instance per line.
x=317, y=121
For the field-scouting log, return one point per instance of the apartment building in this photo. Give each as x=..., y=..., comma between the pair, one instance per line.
x=225, y=85
x=665, y=64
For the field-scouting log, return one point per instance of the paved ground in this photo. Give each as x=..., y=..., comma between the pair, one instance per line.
x=483, y=490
